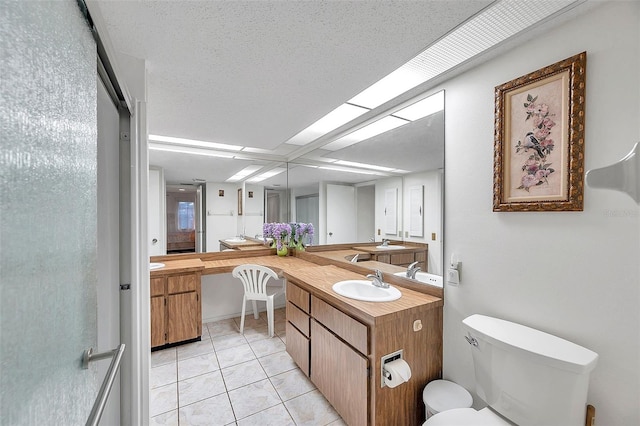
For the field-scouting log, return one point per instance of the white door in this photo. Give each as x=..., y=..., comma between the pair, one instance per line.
x=48, y=216
x=341, y=214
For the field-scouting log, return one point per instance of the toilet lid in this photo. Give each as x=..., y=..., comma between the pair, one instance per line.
x=467, y=416
x=443, y=395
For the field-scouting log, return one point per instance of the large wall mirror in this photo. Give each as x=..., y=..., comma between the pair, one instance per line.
x=388, y=186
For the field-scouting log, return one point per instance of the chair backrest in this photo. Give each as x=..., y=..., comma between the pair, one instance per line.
x=254, y=278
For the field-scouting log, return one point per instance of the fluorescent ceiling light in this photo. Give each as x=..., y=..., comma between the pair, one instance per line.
x=363, y=165
x=490, y=27
x=244, y=173
x=336, y=118
x=188, y=150
x=267, y=175
x=377, y=127
x=348, y=170
x=423, y=108
x=193, y=142
x=394, y=84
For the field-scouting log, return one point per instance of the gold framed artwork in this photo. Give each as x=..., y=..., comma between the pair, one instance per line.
x=539, y=139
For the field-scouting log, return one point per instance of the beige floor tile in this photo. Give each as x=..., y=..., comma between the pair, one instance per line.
x=274, y=416
x=197, y=365
x=166, y=419
x=240, y=375
x=267, y=346
x=195, y=349
x=163, y=399
x=228, y=341
x=291, y=384
x=253, y=398
x=277, y=363
x=164, y=356
x=214, y=411
x=163, y=375
x=200, y=387
x=237, y=355
x=311, y=409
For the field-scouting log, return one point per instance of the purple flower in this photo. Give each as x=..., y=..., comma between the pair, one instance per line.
x=529, y=181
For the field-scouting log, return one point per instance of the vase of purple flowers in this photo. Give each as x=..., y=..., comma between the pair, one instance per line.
x=301, y=234
x=281, y=234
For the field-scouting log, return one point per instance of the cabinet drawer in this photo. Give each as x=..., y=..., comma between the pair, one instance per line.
x=402, y=258
x=347, y=328
x=298, y=348
x=298, y=318
x=181, y=283
x=298, y=296
x=156, y=286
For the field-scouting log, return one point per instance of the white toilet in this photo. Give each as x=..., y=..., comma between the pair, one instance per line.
x=526, y=377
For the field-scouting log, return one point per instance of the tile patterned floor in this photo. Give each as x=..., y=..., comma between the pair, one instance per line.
x=234, y=379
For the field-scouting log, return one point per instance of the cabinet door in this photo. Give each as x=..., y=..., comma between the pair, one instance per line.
x=340, y=373
x=298, y=347
x=158, y=319
x=182, y=317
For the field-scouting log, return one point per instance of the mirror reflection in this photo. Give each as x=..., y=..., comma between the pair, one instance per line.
x=385, y=188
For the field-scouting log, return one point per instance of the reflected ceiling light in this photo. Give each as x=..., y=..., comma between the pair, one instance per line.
x=336, y=118
x=267, y=175
x=243, y=173
x=377, y=127
x=193, y=142
x=363, y=165
x=348, y=170
x=423, y=108
x=189, y=150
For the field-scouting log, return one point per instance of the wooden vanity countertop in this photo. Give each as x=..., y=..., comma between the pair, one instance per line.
x=173, y=266
x=277, y=263
x=319, y=280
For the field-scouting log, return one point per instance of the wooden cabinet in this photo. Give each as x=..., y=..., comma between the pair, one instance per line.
x=340, y=348
x=176, y=314
x=338, y=370
x=399, y=257
x=298, y=321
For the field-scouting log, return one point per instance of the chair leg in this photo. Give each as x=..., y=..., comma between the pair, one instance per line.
x=270, y=315
x=244, y=304
x=255, y=310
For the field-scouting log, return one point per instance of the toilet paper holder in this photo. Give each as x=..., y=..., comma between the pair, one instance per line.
x=384, y=374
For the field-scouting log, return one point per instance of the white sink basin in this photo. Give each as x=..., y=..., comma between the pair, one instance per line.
x=365, y=290
x=153, y=265
x=424, y=277
x=390, y=247
x=236, y=240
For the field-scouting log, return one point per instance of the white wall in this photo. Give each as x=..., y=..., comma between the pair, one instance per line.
x=253, y=216
x=573, y=274
x=222, y=213
x=432, y=215
x=156, y=225
x=381, y=186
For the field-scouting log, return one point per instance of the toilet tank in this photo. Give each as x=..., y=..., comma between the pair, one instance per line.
x=528, y=376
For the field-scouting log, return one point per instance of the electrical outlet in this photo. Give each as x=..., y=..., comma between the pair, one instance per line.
x=433, y=236
x=453, y=277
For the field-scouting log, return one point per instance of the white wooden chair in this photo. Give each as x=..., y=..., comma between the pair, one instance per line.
x=254, y=278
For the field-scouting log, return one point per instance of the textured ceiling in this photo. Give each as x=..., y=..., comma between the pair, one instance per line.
x=256, y=73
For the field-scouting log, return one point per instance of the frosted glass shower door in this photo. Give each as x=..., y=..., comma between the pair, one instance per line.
x=47, y=213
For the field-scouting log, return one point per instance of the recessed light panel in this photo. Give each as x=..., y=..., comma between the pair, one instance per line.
x=194, y=142
x=377, y=127
x=336, y=118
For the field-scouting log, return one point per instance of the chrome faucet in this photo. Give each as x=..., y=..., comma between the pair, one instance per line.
x=354, y=259
x=412, y=270
x=385, y=242
x=377, y=279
